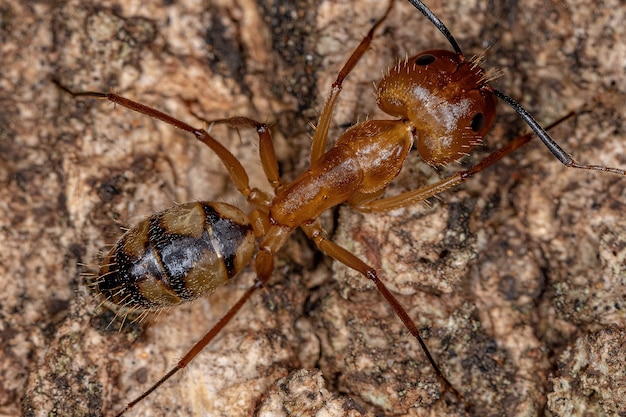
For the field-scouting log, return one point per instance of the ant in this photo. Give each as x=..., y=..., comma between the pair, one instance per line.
x=441, y=102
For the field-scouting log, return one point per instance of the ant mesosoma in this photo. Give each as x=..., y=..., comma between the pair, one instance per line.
x=439, y=100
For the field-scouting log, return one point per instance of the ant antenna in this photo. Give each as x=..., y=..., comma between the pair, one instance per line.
x=438, y=23
x=558, y=152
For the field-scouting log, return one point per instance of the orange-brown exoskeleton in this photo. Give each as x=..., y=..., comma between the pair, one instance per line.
x=440, y=102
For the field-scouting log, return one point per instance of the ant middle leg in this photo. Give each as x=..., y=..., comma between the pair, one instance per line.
x=235, y=169
x=267, y=152
x=315, y=232
x=266, y=145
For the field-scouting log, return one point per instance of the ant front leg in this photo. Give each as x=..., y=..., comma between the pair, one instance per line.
x=320, y=136
x=423, y=193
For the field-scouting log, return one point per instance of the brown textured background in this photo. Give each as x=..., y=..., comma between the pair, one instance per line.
x=516, y=278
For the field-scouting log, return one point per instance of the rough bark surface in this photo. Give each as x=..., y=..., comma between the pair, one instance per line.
x=516, y=278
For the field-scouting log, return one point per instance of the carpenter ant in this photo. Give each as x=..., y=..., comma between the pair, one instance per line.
x=441, y=101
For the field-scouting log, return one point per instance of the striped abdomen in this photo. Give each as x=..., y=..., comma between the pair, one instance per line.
x=176, y=255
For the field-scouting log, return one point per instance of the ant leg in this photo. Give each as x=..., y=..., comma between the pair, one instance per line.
x=267, y=153
x=210, y=335
x=315, y=232
x=236, y=171
x=320, y=136
x=411, y=197
x=266, y=144
x=264, y=265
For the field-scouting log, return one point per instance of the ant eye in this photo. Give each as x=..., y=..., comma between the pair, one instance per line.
x=425, y=59
x=478, y=122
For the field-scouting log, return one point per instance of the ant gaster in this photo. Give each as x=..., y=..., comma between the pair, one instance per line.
x=441, y=102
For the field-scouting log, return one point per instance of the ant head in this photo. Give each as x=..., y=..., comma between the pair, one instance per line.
x=447, y=100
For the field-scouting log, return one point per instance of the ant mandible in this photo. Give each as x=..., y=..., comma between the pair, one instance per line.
x=441, y=101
